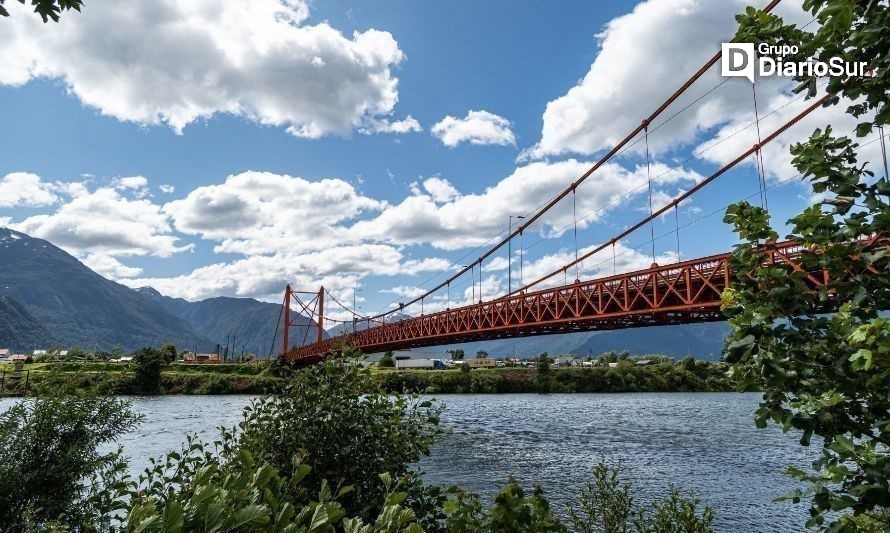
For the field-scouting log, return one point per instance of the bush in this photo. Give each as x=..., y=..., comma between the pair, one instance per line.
x=52, y=471
x=352, y=432
x=386, y=361
x=149, y=363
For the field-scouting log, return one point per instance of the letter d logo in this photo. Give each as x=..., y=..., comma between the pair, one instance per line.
x=738, y=60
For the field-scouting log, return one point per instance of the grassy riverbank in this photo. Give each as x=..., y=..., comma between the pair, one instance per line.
x=260, y=378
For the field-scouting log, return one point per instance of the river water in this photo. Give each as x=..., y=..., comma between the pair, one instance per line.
x=701, y=442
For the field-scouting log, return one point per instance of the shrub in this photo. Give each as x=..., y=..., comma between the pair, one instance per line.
x=149, y=363
x=386, y=361
x=52, y=471
x=351, y=431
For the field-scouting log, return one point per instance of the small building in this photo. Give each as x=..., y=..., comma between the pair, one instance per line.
x=4, y=353
x=63, y=353
x=483, y=362
x=564, y=360
x=125, y=359
x=18, y=358
x=613, y=365
x=39, y=352
x=191, y=357
x=643, y=362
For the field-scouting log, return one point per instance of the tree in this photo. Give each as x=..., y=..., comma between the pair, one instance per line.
x=50, y=455
x=149, y=363
x=169, y=352
x=47, y=9
x=456, y=355
x=481, y=354
x=386, y=361
x=825, y=375
x=542, y=368
x=351, y=431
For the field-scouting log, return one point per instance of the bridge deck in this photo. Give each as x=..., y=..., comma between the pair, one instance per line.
x=679, y=293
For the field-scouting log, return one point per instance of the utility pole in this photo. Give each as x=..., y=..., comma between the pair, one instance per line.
x=354, y=309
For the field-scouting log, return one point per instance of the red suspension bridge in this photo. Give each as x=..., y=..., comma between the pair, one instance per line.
x=680, y=293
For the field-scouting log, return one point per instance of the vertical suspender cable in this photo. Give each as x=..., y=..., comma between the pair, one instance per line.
x=761, y=175
x=677, y=229
x=520, y=257
x=480, y=281
x=649, y=180
x=575, y=218
x=884, y=152
x=473, y=281
x=613, y=259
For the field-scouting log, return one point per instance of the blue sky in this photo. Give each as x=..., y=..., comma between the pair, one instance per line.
x=115, y=146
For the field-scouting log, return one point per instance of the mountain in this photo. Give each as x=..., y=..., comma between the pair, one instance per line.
x=80, y=307
x=249, y=321
x=19, y=329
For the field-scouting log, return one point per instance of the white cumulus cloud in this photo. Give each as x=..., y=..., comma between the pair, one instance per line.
x=478, y=127
x=175, y=62
x=106, y=222
x=644, y=56
x=471, y=219
x=26, y=189
x=408, y=124
x=264, y=213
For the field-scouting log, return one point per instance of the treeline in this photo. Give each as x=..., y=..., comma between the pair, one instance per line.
x=156, y=371
x=688, y=375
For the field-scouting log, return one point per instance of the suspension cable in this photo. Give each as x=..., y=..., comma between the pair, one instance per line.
x=677, y=166
x=606, y=157
x=794, y=120
x=278, y=323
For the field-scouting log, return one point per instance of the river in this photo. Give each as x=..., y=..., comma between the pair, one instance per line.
x=705, y=442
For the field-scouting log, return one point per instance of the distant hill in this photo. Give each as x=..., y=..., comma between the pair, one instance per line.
x=19, y=329
x=249, y=321
x=80, y=307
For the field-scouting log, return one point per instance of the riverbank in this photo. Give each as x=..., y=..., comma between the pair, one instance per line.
x=260, y=378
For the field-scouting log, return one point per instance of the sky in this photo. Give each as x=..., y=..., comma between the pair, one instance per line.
x=225, y=149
